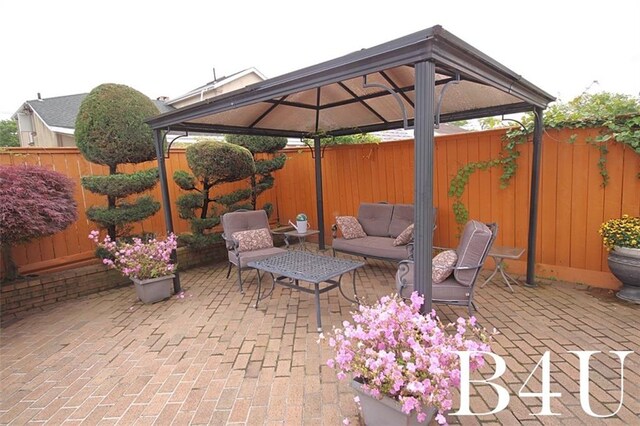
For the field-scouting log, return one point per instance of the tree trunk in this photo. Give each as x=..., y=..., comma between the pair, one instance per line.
x=111, y=229
x=205, y=202
x=254, y=192
x=11, y=270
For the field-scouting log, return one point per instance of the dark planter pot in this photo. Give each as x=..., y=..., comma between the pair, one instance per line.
x=387, y=411
x=626, y=268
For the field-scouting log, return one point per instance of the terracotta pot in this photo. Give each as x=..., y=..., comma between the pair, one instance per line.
x=625, y=266
x=154, y=289
x=387, y=411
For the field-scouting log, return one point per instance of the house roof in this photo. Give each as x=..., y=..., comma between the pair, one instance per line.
x=366, y=91
x=61, y=111
x=217, y=83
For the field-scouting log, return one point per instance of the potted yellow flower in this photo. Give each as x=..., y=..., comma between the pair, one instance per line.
x=622, y=238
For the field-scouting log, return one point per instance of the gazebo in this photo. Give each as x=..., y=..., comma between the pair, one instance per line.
x=417, y=81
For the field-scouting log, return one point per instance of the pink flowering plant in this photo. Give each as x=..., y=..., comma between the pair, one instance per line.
x=394, y=350
x=138, y=259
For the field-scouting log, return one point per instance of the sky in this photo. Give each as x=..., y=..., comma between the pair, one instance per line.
x=166, y=48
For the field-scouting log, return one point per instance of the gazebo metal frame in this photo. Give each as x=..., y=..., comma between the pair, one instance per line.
x=418, y=81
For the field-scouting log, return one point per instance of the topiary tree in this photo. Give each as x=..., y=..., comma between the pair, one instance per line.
x=36, y=202
x=212, y=163
x=262, y=179
x=111, y=130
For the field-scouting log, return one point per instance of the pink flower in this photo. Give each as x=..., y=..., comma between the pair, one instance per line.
x=395, y=350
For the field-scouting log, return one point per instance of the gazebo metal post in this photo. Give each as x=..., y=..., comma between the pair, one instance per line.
x=533, y=201
x=166, y=202
x=319, y=197
x=423, y=193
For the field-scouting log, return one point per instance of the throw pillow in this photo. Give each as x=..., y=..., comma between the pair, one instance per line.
x=349, y=227
x=253, y=239
x=405, y=236
x=442, y=265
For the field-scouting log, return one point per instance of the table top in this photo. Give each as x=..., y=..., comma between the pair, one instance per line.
x=295, y=233
x=305, y=266
x=506, y=252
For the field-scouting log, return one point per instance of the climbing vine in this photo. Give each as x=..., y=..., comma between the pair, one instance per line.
x=618, y=115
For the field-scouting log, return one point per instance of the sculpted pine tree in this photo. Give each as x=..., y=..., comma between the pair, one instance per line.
x=212, y=163
x=36, y=202
x=263, y=178
x=111, y=130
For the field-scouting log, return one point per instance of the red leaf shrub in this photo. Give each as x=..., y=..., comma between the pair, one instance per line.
x=34, y=202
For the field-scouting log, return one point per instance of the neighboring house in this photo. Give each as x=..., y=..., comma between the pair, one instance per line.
x=51, y=122
x=218, y=87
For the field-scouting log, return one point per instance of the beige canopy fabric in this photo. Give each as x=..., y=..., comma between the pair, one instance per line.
x=416, y=81
x=368, y=90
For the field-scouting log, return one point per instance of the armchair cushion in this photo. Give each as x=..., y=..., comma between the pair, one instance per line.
x=254, y=239
x=405, y=236
x=442, y=265
x=350, y=227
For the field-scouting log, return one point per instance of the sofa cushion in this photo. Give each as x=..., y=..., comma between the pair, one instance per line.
x=401, y=217
x=372, y=247
x=253, y=239
x=349, y=227
x=442, y=265
x=375, y=218
x=405, y=236
x=476, y=237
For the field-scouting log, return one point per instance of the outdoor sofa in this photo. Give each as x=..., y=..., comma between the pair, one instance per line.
x=382, y=223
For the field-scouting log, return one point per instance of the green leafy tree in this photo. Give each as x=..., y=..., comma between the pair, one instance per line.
x=9, y=133
x=262, y=179
x=344, y=140
x=111, y=130
x=212, y=163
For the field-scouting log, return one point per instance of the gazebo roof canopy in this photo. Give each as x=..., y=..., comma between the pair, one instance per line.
x=368, y=90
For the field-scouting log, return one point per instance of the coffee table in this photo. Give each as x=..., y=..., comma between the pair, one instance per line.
x=290, y=268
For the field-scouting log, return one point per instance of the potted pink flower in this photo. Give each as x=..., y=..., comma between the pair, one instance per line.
x=147, y=263
x=403, y=364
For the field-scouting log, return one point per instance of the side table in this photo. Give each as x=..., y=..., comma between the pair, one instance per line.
x=302, y=236
x=499, y=254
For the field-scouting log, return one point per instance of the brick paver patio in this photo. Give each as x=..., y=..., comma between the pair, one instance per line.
x=211, y=358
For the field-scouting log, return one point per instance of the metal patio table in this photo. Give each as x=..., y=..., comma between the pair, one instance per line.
x=288, y=269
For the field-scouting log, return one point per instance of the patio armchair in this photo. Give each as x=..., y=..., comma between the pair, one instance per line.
x=248, y=238
x=475, y=243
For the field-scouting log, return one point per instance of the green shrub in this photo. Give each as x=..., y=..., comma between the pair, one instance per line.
x=212, y=163
x=121, y=184
x=261, y=179
x=111, y=130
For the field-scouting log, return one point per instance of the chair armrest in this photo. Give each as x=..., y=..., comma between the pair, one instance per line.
x=232, y=244
x=403, y=270
x=410, y=250
x=466, y=268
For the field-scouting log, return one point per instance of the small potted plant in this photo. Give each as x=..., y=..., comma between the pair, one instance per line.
x=147, y=263
x=301, y=223
x=622, y=238
x=402, y=363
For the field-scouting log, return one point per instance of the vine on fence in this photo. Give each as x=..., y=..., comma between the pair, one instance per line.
x=617, y=114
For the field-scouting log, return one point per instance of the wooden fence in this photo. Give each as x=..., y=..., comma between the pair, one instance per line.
x=572, y=206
